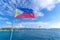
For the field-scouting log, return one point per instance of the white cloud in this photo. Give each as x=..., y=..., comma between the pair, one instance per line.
x=1, y=13
x=51, y=25
x=9, y=6
x=51, y=7
x=37, y=13
x=43, y=3
x=48, y=4
x=13, y=1
x=54, y=25
x=30, y=25
x=38, y=5
x=18, y=26
x=45, y=25
x=11, y=9
x=8, y=22
x=34, y=4
x=57, y=1
x=2, y=18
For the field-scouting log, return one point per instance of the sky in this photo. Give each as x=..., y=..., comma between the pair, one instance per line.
x=47, y=14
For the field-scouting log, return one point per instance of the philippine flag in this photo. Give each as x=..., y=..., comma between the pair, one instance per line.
x=24, y=13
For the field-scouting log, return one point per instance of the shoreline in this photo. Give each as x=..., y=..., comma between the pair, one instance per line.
x=10, y=29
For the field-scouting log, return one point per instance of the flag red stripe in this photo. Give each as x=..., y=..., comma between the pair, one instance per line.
x=26, y=15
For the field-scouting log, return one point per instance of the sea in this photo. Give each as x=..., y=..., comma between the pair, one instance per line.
x=31, y=34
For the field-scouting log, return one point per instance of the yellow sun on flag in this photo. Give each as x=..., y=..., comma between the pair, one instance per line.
x=17, y=12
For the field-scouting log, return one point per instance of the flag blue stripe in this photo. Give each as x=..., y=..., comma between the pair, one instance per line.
x=26, y=9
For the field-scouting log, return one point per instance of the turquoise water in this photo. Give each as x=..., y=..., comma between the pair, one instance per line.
x=5, y=35
x=41, y=34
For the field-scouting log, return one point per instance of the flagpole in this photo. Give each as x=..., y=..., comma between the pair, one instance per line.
x=12, y=28
x=11, y=31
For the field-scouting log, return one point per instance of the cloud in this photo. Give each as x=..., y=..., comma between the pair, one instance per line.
x=37, y=14
x=7, y=7
x=6, y=24
x=46, y=25
x=30, y=25
x=2, y=18
x=54, y=25
x=48, y=4
x=50, y=7
x=38, y=5
x=13, y=1
x=43, y=3
x=1, y=13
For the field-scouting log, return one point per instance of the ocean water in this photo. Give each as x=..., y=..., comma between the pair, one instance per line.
x=5, y=35
x=38, y=34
